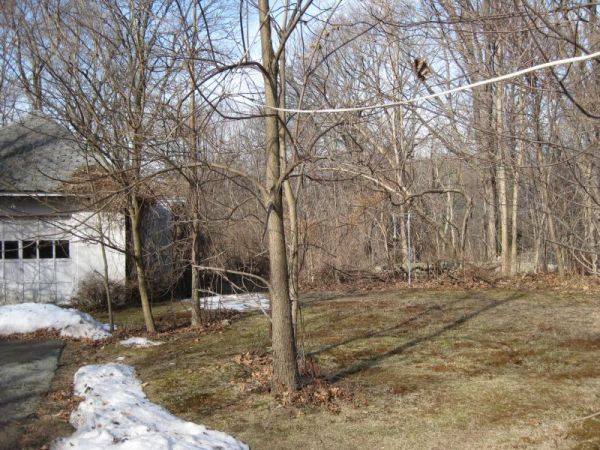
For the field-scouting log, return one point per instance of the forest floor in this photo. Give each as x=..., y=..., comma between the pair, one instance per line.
x=410, y=368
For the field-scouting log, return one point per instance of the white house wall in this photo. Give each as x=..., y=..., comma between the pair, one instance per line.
x=88, y=251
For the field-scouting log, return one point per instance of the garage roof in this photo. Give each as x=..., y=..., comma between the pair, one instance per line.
x=37, y=155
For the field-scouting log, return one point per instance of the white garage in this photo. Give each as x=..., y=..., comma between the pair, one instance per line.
x=47, y=243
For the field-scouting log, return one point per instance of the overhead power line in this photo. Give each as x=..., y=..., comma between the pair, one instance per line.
x=508, y=76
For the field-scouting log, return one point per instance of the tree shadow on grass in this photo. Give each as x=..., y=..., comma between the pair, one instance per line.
x=311, y=299
x=435, y=308
x=369, y=362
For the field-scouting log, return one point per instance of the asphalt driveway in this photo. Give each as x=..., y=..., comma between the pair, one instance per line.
x=26, y=371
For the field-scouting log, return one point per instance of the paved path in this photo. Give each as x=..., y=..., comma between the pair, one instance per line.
x=26, y=371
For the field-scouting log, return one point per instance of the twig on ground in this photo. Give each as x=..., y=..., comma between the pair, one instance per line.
x=587, y=417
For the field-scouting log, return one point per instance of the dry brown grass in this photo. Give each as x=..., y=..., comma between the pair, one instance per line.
x=432, y=369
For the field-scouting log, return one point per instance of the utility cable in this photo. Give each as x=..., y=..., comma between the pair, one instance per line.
x=508, y=76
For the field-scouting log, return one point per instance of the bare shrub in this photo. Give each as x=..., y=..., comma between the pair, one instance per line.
x=91, y=293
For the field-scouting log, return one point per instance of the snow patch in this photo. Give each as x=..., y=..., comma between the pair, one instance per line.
x=139, y=342
x=115, y=414
x=30, y=317
x=237, y=302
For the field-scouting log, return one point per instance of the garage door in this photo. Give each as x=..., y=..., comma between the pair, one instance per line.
x=36, y=264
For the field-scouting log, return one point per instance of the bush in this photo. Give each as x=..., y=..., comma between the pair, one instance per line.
x=91, y=294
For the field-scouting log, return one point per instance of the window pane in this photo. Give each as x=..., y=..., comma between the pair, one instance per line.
x=29, y=250
x=11, y=249
x=45, y=249
x=62, y=249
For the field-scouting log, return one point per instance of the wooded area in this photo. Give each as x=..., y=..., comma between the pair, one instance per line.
x=194, y=104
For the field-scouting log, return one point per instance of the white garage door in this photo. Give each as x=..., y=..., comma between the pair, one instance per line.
x=36, y=264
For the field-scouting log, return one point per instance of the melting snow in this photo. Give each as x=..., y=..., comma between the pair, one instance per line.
x=115, y=414
x=30, y=317
x=237, y=302
x=139, y=342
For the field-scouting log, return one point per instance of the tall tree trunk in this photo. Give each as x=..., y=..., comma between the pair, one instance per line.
x=463, y=231
x=135, y=216
x=290, y=196
x=544, y=188
x=450, y=221
x=515, y=211
x=503, y=204
x=403, y=231
x=294, y=261
x=537, y=245
x=399, y=155
x=501, y=184
x=591, y=216
x=195, y=257
x=105, y=278
x=490, y=218
x=558, y=254
x=136, y=122
x=516, y=170
x=194, y=174
x=285, y=370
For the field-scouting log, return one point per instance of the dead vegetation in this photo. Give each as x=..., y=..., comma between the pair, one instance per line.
x=413, y=368
x=315, y=391
x=471, y=277
x=175, y=322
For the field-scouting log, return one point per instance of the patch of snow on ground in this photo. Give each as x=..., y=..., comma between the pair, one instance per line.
x=30, y=317
x=115, y=414
x=139, y=342
x=237, y=302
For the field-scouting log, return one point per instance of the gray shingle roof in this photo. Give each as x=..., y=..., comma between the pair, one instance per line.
x=37, y=155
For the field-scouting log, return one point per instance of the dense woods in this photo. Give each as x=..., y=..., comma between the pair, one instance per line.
x=194, y=104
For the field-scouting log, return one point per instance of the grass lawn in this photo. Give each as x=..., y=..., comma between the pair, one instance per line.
x=433, y=369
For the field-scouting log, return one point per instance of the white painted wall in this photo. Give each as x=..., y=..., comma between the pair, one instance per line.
x=56, y=280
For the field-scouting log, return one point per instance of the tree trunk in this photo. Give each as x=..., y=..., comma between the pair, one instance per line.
x=590, y=217
x=135, y=216
x=515, y=210
x=463, y=231
x=294, y=262
x=195, y=256
x=285, y=371
x=560, y=267
x=503, y=204
x=196, y=310
x=136, y=122
x=490, y=219
x=450, y=221
x=544, y=189
x=501, y=182
x=105, y=279
x=515, y=206
x=290, y=197
x=403, y=235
